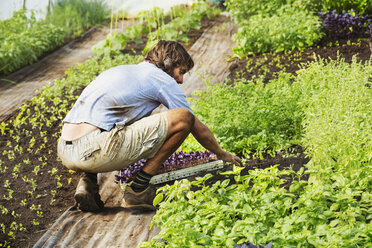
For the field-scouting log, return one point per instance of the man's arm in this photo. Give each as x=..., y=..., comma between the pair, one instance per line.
x=206, y=138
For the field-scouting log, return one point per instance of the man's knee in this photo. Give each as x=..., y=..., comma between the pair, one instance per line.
x=188, y=118
x=181, y=119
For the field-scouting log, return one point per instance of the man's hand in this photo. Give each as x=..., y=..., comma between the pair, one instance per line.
x=228, y=157
x=206, y=138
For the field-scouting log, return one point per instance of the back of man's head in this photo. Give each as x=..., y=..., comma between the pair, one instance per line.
x=167, y=55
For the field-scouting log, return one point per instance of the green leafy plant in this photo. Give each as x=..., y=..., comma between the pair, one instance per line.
x=190, y=144
x=360, y=6
x=28, y=41
x=336, y=99
x=222, y=214
x=151, y=24
x=242, y=10
x=249, y=117
x=288, y=29
x=24, y=40
x=74, y=16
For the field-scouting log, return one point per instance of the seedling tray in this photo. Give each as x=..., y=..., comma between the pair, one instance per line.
x=182, y=173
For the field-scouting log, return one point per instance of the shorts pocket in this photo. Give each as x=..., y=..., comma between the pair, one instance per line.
x=113, y=143
x=90, y=152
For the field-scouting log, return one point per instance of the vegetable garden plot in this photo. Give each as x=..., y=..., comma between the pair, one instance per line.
x=37, y=187
x=297, y=159
x=269, y=65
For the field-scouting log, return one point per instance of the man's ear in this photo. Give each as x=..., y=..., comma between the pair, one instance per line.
x=167, y=63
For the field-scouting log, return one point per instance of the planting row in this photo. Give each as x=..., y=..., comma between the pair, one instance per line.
x=154, y=25
x=281, y=26
x=24, y=39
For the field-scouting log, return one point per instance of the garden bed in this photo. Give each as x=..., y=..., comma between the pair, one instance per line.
x=327, y=49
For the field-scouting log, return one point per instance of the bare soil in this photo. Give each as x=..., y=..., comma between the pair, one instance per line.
x=326, y=49
x=64, y=195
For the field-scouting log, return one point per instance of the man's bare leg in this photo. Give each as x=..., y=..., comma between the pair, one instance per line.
x=180, y=124
x=139, y=194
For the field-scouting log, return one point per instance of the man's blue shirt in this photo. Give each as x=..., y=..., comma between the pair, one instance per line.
x=124, y=94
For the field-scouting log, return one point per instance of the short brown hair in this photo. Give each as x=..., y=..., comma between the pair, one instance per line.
x=168, y=55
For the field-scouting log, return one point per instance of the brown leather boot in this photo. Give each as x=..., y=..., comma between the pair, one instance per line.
x=87, y=196
x=139, y=200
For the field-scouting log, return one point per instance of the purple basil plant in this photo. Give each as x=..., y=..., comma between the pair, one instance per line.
x=250, y=245
x=175, y=161
x=344, y=25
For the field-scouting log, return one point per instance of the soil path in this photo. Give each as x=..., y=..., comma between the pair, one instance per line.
x=210, y=53
x=28, y=80
x=115, y=226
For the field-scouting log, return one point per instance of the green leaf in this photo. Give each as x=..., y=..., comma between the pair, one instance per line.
x=158, y=199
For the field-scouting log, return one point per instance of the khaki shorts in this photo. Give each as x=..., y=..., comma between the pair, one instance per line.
x=117, y=149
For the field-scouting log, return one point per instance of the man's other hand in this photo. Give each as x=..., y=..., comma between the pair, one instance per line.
x=228, y=157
